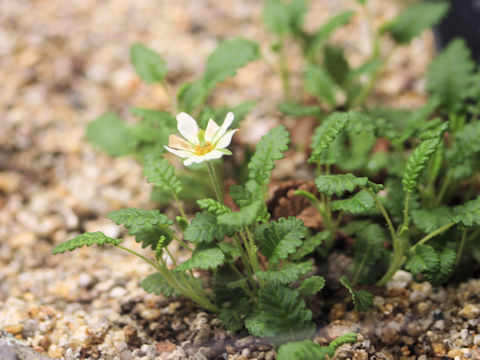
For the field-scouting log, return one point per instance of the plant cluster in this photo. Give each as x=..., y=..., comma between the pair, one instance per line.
x=402, y=184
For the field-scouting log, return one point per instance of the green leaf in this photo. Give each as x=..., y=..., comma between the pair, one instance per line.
x=161, y=174
x=310, y=244
x=87, y=239
x=213, y=206
x=279, y=239
x=336, y=64
x=148, y=64
x=139, y=217
x=423, y=258
x=269, y=149
x=110, y=133
x=203, y=258
x=415, y=19
x=299, y=110
x=241, y=195
x=360, y=122
x=429, y=220
x=362, y=299
x=281, y=316
x=156, y=284
x=204, y=228
x=312, y=285
x=450, y=75
x=326, y=133
x=319, y=83
x=445, y=268
x=238, y=219
x=225, y=295
x=228, y=57
x=276, y=17
x=192, y=94
x=151, y=236
x=468, y=214
x=303, y=350
x=417, y=162
x=340, y=183
x=360, y=203
x=156, y=126
x=308, y=350
x=289, y=273
x=233, y=317
x=369, y=252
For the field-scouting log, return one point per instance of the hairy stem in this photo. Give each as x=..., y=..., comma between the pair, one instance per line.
x=433, y=234
x=214, y=180
x=384, y=213
x=179, y=204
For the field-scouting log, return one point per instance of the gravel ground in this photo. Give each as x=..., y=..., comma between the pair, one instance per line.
x=65, y=63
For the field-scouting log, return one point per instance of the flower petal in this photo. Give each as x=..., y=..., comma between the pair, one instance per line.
x=188, y=128
x=223, y=129
x=181, y=153
x=177, y=142
x=211, y=130
x=194, y=159
x=215, y=154
x=225, y=140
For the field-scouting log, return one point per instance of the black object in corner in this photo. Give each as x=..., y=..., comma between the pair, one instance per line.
x=463, y=20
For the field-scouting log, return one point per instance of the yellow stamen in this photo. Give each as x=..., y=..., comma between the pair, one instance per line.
x=203, y=149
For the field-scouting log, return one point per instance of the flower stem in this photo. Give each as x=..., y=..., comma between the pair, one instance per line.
x=384, y=213
x=179, y=205
x=433, y=234
x=214, y=180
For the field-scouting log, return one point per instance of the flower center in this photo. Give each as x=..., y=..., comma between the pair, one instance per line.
x=203, y=149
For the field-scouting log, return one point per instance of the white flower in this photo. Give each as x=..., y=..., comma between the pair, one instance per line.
x=200, y=145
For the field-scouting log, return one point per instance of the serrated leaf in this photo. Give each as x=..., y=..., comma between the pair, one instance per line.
x=223, y=276
x=161, y=174
x=416, y=18
x=312, y=285
x=213, y=206
x=269, y=149
x=341, y=183
x=289, y=273
x=139, y=217
x=150, y=236
x=279, y=239
x=299, y=110
x=319, y=83
x=423, y=258
x=204, y=228
x=238, y=219
x=417, y=162
x=111, y=134
x=360, y=122
x=203, y=258
x=233, y=317
x=445, y=269
x=192, y=94
x=281, y=316
x=308, y=350
x=310, y=244
x=468, y=214
x=359, y=203
x=148, y=64
x=362, y=299
x=450, y=74
x=429, y=220
x=369, y=251
x=326, y=133
x=87, y=239
x=156, y=284
x=240, y=195
x=466, y=144
x=302, y=350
